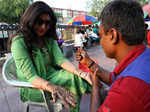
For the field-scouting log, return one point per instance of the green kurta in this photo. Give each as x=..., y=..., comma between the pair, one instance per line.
x=44, y=61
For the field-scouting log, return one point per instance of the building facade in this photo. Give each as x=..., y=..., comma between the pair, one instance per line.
x=64, y=15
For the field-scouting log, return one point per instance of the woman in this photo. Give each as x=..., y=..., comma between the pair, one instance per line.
x=35, y=51
x=78, y=39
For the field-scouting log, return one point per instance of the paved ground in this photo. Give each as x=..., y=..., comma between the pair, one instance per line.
x=9, y=96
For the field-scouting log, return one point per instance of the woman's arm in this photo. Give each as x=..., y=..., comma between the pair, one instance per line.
x=25, y=66
x=57, y=92
x=40, y=83
x=60, y=60
x=71, y=68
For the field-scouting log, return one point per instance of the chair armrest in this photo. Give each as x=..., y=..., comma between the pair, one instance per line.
x=21, y=84
x=8, y=76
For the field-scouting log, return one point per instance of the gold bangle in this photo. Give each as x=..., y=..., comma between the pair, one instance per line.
x=83, y=74
x=76, y=72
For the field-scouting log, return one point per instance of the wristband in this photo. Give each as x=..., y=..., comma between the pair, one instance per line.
x=91, y=64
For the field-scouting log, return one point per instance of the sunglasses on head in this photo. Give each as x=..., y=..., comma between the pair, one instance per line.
x=41, y=22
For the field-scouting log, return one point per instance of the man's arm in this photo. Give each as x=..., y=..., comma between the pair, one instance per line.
x=95, y=99
x=103, y=74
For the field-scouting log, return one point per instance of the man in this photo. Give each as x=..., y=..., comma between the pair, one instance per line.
x=122, y=33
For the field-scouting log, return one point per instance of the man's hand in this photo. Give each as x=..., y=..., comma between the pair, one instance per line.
x=65, y=96
x=95, y=79
x=96, y=92
x=95, y=67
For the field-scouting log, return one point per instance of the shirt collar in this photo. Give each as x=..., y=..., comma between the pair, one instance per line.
x=128, y=59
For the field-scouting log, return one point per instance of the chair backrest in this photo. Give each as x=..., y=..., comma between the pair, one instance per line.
x=9, y=74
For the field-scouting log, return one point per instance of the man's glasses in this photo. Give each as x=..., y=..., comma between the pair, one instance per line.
x=41, y=22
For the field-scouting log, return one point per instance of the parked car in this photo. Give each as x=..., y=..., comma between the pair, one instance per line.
x=3, y=30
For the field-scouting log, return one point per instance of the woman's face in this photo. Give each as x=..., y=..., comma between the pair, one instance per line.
x=42, y=25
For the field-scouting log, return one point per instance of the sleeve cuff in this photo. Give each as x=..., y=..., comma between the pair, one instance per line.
x=60, y=63
x=32, y=78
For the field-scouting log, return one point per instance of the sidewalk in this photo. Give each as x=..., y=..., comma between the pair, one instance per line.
x=9, y=96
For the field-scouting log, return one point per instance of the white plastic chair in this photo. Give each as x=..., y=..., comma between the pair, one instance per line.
x=9, y=75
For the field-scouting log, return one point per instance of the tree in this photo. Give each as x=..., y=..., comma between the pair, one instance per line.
x=96, y=6
x=11, y=10
x=143, y=2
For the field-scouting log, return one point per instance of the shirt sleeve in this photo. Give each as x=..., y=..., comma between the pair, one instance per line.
x=22, y=59
x=148, y=37
x=57, y=54
x=122, y=97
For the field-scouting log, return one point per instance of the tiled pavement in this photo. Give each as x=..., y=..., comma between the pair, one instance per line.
x=9, y=96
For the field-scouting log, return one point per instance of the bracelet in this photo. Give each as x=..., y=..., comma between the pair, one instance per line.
x=74, y=71
x=80, y=73
x=83, y=74
x=77, y=72
x=91, y=64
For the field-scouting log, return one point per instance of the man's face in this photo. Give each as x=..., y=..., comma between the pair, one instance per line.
x=106, y=42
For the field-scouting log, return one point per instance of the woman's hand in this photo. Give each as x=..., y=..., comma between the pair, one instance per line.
x=64, y=95
x=82, y=56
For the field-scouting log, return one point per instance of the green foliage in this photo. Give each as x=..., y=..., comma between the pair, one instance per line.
x=143, y=2
x=96, y=6
x=11, y=10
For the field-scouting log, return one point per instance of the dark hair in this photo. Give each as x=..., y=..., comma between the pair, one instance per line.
x=28, y=21
x=127, y=18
